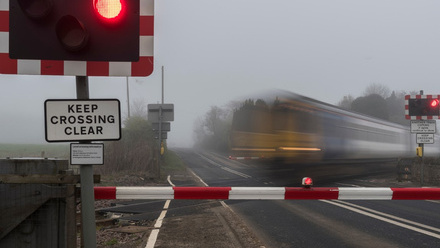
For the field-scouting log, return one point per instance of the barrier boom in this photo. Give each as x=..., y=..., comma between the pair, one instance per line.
x=266, y=193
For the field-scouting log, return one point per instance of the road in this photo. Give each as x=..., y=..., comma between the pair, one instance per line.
x=321, y=223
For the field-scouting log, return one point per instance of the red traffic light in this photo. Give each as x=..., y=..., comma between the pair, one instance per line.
x=109, y=10
x=79, y=30
x=423, y=107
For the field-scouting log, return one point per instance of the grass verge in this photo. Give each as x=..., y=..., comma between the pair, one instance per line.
x=34, y=150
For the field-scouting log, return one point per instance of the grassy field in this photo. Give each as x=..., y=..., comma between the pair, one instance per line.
x=32, y=150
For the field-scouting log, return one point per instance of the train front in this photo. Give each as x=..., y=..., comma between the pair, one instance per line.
x=281, y=127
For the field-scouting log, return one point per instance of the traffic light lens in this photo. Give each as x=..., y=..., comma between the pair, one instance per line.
x=434, y=103
x=36, y=9
x=71, y=33
x=308, y=181
x=108, y=9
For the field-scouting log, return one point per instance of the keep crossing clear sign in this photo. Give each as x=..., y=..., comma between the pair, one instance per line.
x=82, y=120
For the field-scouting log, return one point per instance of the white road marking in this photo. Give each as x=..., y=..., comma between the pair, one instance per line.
x=200, y=179
x=169, y=181
x=159, y=220
x=152, y=238
x=155, y=232
x=376, y=215
x=393, y=217
x=206, y=185
x=224, y=167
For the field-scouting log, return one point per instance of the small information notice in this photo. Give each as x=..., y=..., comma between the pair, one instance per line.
x=87, y=154
x=425, y=138
x=423, y=126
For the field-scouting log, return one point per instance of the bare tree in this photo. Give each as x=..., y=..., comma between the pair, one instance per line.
x=212, y=130
x=139, y=108
x=373, y=105
x=346, y=101
x=134, y=153
x=378, y=89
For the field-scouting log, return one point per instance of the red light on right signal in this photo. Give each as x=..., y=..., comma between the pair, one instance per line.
x=434, y=103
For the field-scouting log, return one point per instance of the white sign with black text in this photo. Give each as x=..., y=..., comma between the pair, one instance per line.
x=425, y=138
x=82, y=120
x=87, y=154
x=423, y=126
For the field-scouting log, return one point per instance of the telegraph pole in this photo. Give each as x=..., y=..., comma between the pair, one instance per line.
x=160, y=126
x=160, y=114
x=128, y=99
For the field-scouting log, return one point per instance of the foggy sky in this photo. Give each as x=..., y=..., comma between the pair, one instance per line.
x=216, y=51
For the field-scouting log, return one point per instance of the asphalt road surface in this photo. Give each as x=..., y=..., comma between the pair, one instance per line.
x=313, y=223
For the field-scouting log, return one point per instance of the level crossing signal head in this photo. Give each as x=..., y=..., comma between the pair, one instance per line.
x=84, y=30
x=424, y=107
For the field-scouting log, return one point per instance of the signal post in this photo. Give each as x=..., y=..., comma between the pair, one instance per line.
x=422, y=110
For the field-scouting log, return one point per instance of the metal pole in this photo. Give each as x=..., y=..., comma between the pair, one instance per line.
x=163, y=83
x=423, y=161
x=422, y=165
x=160, y=143
x=128, y=99
x=86, y=175
x=160, y=127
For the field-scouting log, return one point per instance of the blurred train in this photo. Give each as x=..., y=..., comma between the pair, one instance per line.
x=288, y=126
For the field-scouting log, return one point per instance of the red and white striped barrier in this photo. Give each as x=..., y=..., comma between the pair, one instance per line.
x=267, y=193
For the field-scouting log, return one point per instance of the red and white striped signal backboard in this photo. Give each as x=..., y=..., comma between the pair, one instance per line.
x=141, y=68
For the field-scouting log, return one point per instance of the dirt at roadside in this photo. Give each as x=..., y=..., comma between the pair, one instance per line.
x=213, y=225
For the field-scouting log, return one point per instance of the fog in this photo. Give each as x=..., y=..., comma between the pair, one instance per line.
x=216, y=51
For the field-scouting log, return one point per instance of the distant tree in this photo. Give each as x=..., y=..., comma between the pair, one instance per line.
x=346, y=101
x=373, y=105
x=378, y=89
x=199, y=132
x=213, y=119
x=212, y=131
x=139, y=108
x=396, y=107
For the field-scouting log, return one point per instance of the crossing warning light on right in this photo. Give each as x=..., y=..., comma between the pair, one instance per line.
x=422, y=107
x=307, y=182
